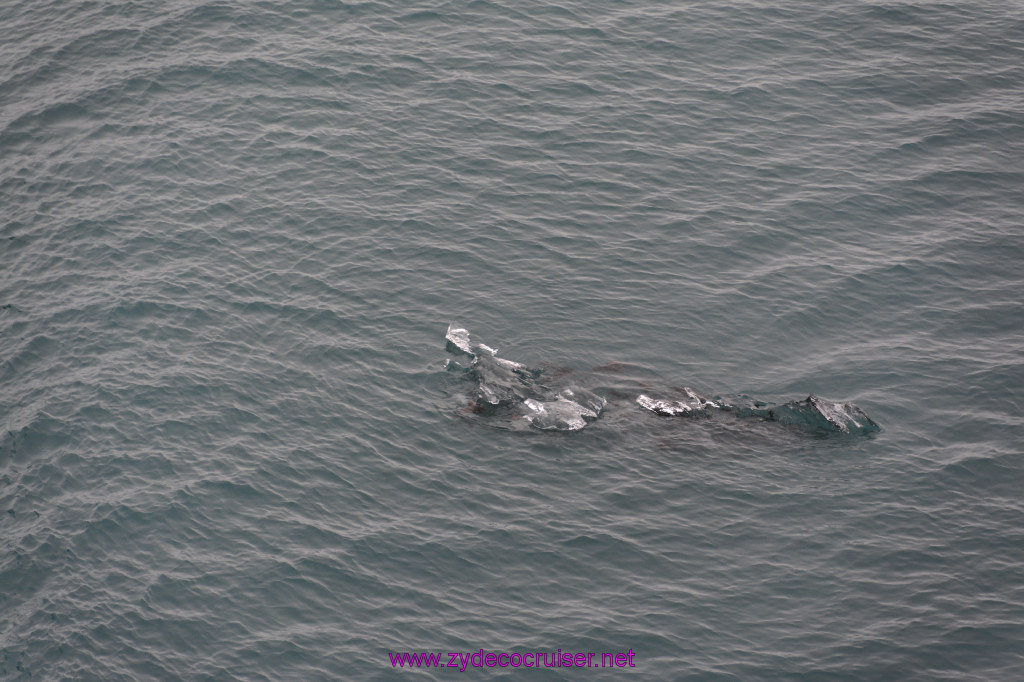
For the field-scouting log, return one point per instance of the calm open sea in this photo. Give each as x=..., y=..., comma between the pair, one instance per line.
x=233, y=236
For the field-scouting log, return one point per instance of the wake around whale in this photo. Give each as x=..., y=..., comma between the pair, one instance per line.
x=517, y=392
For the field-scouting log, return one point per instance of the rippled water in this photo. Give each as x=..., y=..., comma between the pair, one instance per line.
x=234, y=236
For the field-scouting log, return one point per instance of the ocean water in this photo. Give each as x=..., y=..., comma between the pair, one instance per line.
x=233, y=237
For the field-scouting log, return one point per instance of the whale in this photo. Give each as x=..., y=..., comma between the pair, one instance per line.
x=546, y=400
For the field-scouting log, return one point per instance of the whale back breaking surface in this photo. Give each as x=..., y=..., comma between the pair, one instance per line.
x=512, y=394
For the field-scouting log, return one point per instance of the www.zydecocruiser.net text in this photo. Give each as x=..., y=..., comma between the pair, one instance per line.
x=514, y=659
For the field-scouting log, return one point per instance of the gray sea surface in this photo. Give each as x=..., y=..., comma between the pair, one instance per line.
x=233, y=236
